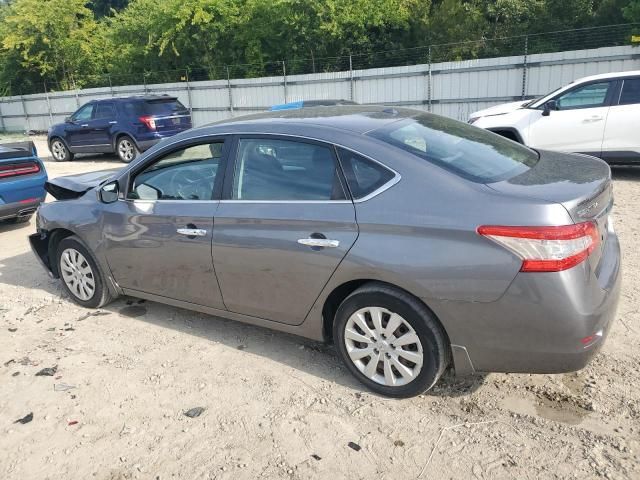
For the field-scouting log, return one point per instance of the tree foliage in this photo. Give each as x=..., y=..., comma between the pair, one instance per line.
x=80, y=43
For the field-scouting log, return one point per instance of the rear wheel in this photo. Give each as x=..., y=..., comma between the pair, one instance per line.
x=126, y=149
x=59, y=151
x=81, y=277
x=390, y=341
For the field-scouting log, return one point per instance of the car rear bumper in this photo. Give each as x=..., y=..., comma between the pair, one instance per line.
x=19, y=209
x=544, y=323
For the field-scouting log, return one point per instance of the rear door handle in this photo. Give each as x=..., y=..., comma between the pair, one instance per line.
x=84, y=125
x=113, y=122
x=319, y=242
x=192, y=232
x=594, y=118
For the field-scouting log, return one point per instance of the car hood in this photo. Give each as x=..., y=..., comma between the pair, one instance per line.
x=499, y=109
x=74, y=186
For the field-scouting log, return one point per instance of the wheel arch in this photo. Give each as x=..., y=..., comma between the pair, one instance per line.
x=121, y=134
x=511, y=133
x=342, y=291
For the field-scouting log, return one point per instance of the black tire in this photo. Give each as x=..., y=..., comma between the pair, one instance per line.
x=59, y=150
x=126, y=149
x=101, y=295
x=435, y=347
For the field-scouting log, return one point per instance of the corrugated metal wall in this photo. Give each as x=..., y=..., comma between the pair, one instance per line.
x=454, y=89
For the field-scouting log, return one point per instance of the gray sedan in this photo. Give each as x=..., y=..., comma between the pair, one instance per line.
x=415, y=243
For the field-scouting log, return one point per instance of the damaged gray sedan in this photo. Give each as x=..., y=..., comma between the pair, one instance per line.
x=415, y=243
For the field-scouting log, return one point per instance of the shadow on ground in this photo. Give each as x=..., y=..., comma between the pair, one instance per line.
x=626, y=173
x=311, y=357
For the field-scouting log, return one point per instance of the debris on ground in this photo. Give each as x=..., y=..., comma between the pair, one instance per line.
x=26, y=419
x=9, y=362
x=316, y=457
x=15, y=374
x=355, y=446
x=194, y=412
x=62, y=387
x=12, y=329
x=47, y=372
x=72, y=422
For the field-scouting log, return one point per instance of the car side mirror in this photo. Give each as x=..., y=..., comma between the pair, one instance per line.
x=548, y=106
x=68, y=120
x=109, y=192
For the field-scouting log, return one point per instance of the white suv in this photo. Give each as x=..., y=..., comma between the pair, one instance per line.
x=597, y=115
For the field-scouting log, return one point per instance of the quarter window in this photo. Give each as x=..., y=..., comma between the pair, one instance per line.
x=592, y=95
x=363, y=175
x=272, y=169
x=186, y=174
x=630, y=92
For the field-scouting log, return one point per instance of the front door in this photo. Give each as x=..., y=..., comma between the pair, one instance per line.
x=284, y=228
x=578, y=124
x=77, y=130
x=158, y=238
x=104, y=117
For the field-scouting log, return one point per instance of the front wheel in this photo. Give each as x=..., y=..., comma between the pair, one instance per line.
x=80, y=274
x=390, y=341
x=59, y=151
x=126, y=149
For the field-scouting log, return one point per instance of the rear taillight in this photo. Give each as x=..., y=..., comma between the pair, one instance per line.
x=148, y=121
x=17, y=169
x=546, y=249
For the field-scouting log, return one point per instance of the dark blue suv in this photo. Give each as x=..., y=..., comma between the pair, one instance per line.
x=125, y=126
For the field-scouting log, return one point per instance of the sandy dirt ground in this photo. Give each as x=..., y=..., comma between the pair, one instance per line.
x=278, y=406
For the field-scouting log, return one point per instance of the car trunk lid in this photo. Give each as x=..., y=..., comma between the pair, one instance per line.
x=582, y=184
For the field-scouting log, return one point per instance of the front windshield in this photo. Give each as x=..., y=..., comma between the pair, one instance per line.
x=470, y=152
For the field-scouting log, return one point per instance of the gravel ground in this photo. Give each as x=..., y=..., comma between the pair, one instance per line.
x=278, y=406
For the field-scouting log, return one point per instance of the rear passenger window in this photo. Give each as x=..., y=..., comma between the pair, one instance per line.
x=104, y=110
x=630, y=92
x=271, y=169
x=364, y=176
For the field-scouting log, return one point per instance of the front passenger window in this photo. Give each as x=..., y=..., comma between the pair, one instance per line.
x=593, y=95
x=186, y=174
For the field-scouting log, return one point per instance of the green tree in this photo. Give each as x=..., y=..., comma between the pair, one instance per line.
x=47, y=41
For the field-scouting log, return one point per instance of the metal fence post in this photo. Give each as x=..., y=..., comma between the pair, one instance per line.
x=429, y=79
x=186, y=76
x=284, y=75
x=110, y=84
x=2, y=128
x=229, y=89
x=524, y=67
x=350, y=78
x=46, y=95
x=24, y=112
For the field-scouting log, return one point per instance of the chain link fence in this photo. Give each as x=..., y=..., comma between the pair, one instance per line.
x=450, y=79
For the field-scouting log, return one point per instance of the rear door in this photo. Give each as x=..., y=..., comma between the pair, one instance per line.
x=621, y=137
x=283, y=229
x=578, y=124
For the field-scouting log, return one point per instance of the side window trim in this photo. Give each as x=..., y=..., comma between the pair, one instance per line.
x=227, y=191
x=129, y=177
x=608, y=100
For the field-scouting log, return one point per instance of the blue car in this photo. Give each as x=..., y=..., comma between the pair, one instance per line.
x=22, y=179
x=310, y=103
x=125, y=126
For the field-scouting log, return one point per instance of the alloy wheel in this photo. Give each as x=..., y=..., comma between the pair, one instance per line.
x=126, y=150
x=383, y=346
x=77, y=274
x=58, y=150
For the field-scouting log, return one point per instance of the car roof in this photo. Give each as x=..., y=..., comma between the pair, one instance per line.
x=354, y=118
x=607, y=76
x=136, y=98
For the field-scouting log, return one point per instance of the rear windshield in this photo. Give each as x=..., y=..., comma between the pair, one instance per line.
x=163, y=107
x=470, y=152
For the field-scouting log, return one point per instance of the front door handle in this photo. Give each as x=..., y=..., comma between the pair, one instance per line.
x=192, y=232
x=84, y=125
x=319, y=242
x=594, y=118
